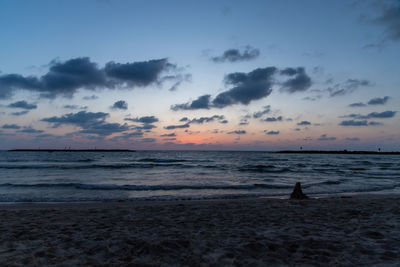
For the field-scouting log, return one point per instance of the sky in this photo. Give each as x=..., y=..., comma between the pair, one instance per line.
x=200, y=75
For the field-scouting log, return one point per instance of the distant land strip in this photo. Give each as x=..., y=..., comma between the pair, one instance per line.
x=71, y=150
x=336, y=152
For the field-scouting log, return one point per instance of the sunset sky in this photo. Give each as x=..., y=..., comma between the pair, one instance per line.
x=207, y=75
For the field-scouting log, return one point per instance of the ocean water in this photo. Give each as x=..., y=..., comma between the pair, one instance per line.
x=166, y=175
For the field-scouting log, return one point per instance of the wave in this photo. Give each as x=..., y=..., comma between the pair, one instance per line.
x=92, y=166
x=263, y=168
x=146, y=187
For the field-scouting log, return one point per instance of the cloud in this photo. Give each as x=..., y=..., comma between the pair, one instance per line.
x=300, y=82
x=324, y=137
x=137, y=73
x=352, y=139
x=347, y=87
x=22, y=104
x=202, y=102
x=358, y=104
x=378, y=101
x=389, y=19
x=145, y=119
x=178, y=80
x=259, y=114
x=359, y=123
x=172, y=127
x=240, y=132
x=201, y=120
x=234, y=55
x=248, y=87
x=65, y=78
x=11, y=126
x=184, y=119
x=303, y=123
x=148, y=140
x=168, y=135
x=132, y=135
x=271, y=132
x=71, y=106
x=90, y=122
x=373, y=115
x=373, y=101
x=20, y=113
x=29, y=129
x=81, y=118
x=104, y=129
x=273, y=119
x=121, y=104
x=92, y=97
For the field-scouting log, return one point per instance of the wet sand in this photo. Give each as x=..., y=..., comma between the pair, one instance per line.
x=258, y=232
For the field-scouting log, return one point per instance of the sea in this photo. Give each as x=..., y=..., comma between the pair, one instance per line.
x=177, y=175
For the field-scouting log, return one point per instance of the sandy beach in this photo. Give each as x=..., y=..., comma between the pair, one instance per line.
x=257, y=232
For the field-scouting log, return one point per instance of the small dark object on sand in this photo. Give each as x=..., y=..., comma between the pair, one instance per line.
x=297, y=192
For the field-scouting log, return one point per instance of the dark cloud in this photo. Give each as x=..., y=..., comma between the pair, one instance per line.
x=259, y=114
x=240, y=132
x=92, y=97
x=324, y=137
x=244, y=122
x=71, y=106
x=273, y=119
x=375, y=123
x=207, y=119
x=11, y=126
x=29, y=129
x=315, y=98
x=20, y=113
x=132, y=135
x=378, y=101
x=248, y=87
x=373, y=101
x=81, y=119
x=347, y=87
x=300, y=82
x=359, y=123
x=389, y=18
x=177, y=79
x=65, y=78
x=224, y=121
x=184, y=119
x=121, y=104
x=22, y=104
x=168, y=135
x=373, y=115
x=271, y=132
x=148, y=140
x=172, y=127
x=303, y=123
x=145, y=119
x=358, y=104
x=203, y=102
x=104, y=129
x=137, y=73
x=234, y=55
x=90, y=122
x=352, y=139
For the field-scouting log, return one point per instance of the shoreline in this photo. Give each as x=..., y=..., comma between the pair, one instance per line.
x=356, y=230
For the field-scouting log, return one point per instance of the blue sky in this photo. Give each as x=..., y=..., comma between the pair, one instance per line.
x=321, y=74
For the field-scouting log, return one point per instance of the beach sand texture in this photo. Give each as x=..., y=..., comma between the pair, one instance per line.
x=257, y=232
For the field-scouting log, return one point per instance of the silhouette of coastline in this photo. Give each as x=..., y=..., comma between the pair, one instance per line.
x=71, y=150
x=336, y=152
